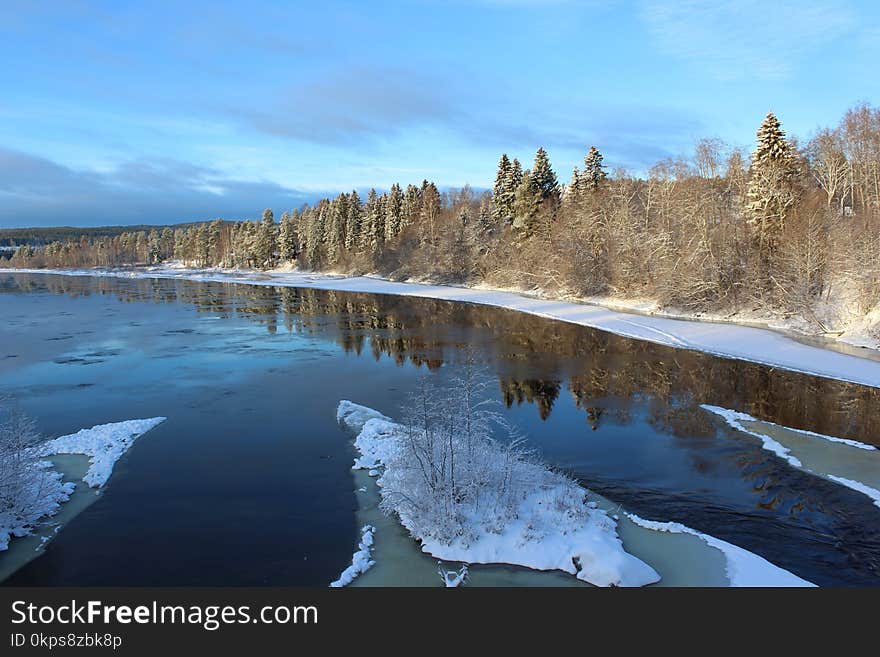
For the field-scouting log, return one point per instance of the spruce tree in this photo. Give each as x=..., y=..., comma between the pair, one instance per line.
x=526, y=204
x=338, y=214
x=155, y=249
x=368, y=231
x=394, y=212
x=544, y=177
x=772, y=184
x=594, y=171
x=412, y=206
x=287, y=239
x=516, y=174
x=485, y=221
x=353, y=221
x=266, y=245
x=430, y=197
x=501, y=192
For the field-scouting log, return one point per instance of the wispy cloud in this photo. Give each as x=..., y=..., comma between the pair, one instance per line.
x=746, y=38
x=356, y=104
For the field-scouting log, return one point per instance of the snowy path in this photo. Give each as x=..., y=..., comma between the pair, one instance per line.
x=739, y=342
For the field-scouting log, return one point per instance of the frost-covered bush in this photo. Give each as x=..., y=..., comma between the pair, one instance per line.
x=29, y=489
x=452, y=479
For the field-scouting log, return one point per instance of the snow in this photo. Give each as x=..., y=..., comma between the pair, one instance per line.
x=552, y=528
x=104, y=444
x=744, y=568
x=748, y=343
x=736, y=419
x=361, y=560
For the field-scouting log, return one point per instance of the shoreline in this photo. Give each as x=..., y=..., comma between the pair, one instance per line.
x=725, y=339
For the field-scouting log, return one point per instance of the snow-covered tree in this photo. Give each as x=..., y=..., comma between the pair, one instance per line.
x=526, y=203
x=502, y=192
x=266, y=245
x=353, y=221
x=287, y=238
x=394, y=212
x=544, y=177
x=772, y=182
x=594, y=171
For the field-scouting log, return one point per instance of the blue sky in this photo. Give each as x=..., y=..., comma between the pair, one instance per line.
x=161, y=112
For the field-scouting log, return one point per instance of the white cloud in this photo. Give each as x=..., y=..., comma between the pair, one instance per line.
x=746, y=38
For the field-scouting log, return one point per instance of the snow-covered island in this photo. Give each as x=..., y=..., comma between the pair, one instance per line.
x=495, y=506
x=35, y=488
x=511, y=509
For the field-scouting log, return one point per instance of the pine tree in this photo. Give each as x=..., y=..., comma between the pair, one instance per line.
x=772, y=184
x=412, y=206
x=594, y=171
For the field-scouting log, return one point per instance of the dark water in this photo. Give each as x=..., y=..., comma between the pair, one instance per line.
x=248, y=480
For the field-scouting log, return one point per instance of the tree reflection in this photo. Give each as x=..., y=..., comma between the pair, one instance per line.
x=605, y=374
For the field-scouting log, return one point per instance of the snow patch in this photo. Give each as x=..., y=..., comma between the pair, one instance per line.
x=104, y=444
x=361, y=560
x=744, y=568
x=873, y=493
x=735, y=419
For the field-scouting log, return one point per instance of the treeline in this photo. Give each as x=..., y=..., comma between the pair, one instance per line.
x=36, y=236
x=792, y=228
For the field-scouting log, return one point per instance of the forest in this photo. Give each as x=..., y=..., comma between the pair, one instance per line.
x=791, y=230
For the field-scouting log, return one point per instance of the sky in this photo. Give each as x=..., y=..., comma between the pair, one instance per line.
x=164, y=112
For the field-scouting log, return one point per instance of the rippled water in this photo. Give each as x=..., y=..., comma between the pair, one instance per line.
x=249, y=481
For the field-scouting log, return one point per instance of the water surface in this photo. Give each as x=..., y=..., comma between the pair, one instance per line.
x=249, y=481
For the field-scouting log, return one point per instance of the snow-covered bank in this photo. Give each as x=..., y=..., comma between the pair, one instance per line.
x=849, y=463
x=744, y=568
x=551, y=528
x=103, y=444
x=746, y=343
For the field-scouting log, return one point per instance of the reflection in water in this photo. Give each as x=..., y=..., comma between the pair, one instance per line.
x=621, y=415
x=603, y=370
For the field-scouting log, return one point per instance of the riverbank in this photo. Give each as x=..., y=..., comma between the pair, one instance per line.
x=765, y=346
